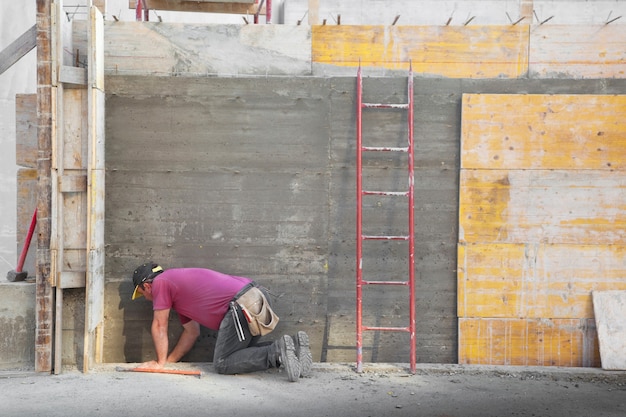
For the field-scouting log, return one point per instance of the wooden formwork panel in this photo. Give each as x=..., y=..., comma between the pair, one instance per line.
x=541, y=223
x=577, y=51
x=449, y=51
x=528, y=342
x=532, y=131
x=547, y=206
x=536, y=280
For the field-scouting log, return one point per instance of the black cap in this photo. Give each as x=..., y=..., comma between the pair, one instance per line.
x=144, y=273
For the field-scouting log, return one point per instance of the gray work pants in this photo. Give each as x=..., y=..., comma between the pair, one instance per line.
x=232, y=356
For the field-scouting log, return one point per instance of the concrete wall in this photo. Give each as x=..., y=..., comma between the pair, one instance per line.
x=255, y=176
x=17, y=326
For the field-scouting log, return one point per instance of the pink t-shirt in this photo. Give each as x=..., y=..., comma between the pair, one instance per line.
x=196, y=294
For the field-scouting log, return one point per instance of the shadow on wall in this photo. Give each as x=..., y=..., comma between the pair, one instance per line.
x=136, y=330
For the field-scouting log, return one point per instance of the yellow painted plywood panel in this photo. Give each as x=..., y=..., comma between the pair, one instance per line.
x=448, y=51
x=577, y=51
x=529, y=342
x=501, y=131
x=536, y=280
x=542, y=206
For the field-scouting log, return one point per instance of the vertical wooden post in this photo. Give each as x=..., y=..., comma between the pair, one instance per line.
x=94, y=303
x=44, y=306
x=526, y=11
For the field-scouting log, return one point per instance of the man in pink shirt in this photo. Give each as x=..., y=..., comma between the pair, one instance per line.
x=208, y=298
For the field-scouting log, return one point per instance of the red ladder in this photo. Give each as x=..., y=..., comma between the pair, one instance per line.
x=360, y=238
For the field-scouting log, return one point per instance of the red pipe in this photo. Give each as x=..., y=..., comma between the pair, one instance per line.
x=33, y=223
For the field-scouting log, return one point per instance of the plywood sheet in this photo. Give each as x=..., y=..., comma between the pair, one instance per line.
x=542, y=206
x=577, y=51
x=536, y=280
x=528, y=342
x=610, y=310
x=448, y=51
x=528, y=131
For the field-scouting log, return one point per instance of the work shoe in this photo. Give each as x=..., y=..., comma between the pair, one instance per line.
x=288, y=358
x=303, y=353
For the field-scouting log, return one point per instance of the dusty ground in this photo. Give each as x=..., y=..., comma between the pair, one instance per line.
x=332, y=390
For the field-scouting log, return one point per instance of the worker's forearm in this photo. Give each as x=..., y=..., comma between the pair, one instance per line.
x=184, y=345
x=161, y=342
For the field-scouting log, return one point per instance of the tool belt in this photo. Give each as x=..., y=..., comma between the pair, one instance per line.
x=256, y=309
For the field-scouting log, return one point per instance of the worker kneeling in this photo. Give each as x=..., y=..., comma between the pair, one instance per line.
x=236, y=307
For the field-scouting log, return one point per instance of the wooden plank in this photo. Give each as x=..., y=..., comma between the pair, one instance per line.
x=25, y=43
x=536, y=280
x=448, y=51
x=71, y=279
x=610, y=310
x=246, y=7
x=73, y=75
x=532, y=206
x=26, y=130
x=528, y=342
x=74, y=129
x=94, y=294
x=577, y=51
x=527, y=131
x=44, y=295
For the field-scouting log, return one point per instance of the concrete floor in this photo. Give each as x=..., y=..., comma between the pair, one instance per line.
x=332, y=390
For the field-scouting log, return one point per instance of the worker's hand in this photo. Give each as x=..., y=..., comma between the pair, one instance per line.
x=150, y=365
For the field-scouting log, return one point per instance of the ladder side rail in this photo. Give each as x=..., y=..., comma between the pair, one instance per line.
x=411, y=222
x=359, y=218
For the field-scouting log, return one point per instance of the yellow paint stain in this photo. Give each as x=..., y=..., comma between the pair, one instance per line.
x=458, y=52
x=536, y=281
x=544, y=132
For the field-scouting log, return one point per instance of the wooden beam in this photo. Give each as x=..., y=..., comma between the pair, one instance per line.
x=94, y=294
x=18, y=48
x=43, y=289
x=200, y=6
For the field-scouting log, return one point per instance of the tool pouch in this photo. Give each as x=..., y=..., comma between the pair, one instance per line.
x=259, y=314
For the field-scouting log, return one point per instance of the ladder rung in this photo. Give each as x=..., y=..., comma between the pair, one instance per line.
x=369, y=237
x=384, y=149
x=385, y=282
x=391, y=193
x=388, y=329
x=385, y=106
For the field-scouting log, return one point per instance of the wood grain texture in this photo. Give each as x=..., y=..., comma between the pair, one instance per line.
x=536, y=280
x=528, y=342
x=541, y=223
x=532, y=206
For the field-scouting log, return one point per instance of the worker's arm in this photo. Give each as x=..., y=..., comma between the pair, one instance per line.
x=191, y=331
x=160, y=322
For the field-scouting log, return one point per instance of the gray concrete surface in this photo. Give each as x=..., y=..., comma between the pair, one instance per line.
x=333, y=390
